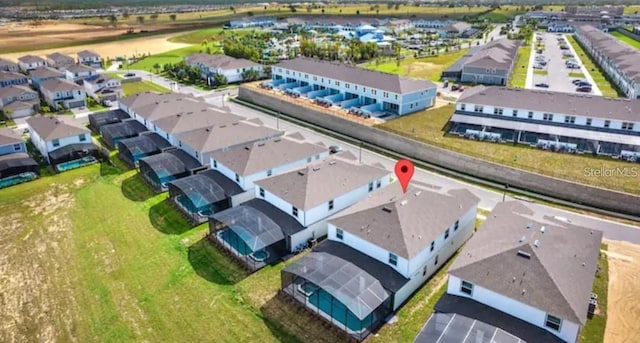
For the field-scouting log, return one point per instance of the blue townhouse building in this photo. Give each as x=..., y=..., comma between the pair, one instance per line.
x=350, y=87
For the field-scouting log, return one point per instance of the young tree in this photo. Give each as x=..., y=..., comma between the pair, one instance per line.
x=140, y=19
x=157, y=67
x=219, y=80
x=154, y=16
x=125, y=15
x=113, y=20
x=172, y=17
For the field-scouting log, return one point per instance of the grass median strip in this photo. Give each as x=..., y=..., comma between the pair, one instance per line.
x=597, y=74
x=519, y=73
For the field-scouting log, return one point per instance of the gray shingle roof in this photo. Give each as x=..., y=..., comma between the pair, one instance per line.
x=54, y=127
x=60, y=58
x=6, y=62
x=9, y=75
x=626, y=58
x=59, y=85
x=87, y=54
x=356, y=75
x=556, y=276
x=187, y=121
x=319, y=182
x=404, y=224
x=554, y=102
x=45, y=72
x=79, y=68
x=13, y=91
x=220, y=61
x=499, y=54
x=212, y=138
x=31, y=59
x=8, y=136
x=169, y=105
x=260, y=156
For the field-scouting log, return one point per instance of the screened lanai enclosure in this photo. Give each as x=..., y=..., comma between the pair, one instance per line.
x=74, y=156
x=100, y=119
x=113, y=133
x=248, y=235
x=17, y=168
x=339, y=292
x=160, y=169
x=203, y=194
x=131, y=150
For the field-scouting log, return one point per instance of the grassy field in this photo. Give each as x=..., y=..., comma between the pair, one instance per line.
x=633, y=9
x=519, y=74
x=428, y=67
x=133, y=88
x=211, y=34
x=598, y=75
x=173, y=56
x=630, y=41
x=576, y=74
x=593, y=331
x=135, y=271
x=540, y=72
x=428, y=126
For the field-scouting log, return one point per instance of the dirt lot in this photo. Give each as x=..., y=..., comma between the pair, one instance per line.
x=48, y=33
x=624, y=284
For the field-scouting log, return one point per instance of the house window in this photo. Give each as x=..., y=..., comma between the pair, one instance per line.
x=215, y=164
x=180, y=145
x=396, y=97
x=261, y=191
x=627, y=126
x=455, y=226
x=370, y=186
x=466, y=288
x=435, y=262
x=374, y=92
x=339, y=234
x=338, y=83
x=514, y=113
x=446, y=234
x=607, y=123
x=553, y=322
x=547, y=117
x=463, y=107
x=56, y=142
x=308, y=159
x=17, y=147
x=330, y=205
x=424, y=271
x=378, y=183
x=197, y=155
x=294, y=211
x=433, y=245
x=498, y=110
x=82, y=137
x=478, y=108
x=269, y=172
x=530, y=116
x=237, y=177
x=393, y=259
x=570, y=119
x=588, y=121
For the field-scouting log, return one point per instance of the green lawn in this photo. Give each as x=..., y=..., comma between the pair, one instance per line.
x=630, y=41
x=519, y=73
x=428, y=126
x=540, y=72
x=576, y=74
x=593, y=331
x=210, y=34
x=428, y=67
x=597, y=74
x=173, y=56
x=132, y=88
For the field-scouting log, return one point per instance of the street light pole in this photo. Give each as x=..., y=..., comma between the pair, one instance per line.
x=504, y=194
x=278, y=121
x=360, y=153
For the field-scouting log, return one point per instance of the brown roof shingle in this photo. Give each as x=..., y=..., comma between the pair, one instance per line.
x=54, y=127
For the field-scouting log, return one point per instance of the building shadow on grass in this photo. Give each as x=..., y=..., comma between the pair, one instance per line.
x=108, y=168
x=291, y=322
x=166, y=219
x=135, y=189
x=212, y=265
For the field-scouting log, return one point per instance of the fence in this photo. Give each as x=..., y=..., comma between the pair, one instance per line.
x=450, y=160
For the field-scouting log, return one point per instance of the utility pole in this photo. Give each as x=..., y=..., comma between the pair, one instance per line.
x=504, y=194
x=360, y=152
x=278, y=121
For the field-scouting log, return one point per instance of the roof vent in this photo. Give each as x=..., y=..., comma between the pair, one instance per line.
x=300, y=172
x=208, y=129
x=403, y=202
x=234, y=124
x=221, y=126
x=247, y=148
x=522, y=239
x=524, y=254
x=524, y=291
x=332, y=162
x=543, y=229
x=276, y=140
x=316, y=168
x=418, y=193
x=513, y=279
x=386, y=209
x=536, y=243
x=261, y=144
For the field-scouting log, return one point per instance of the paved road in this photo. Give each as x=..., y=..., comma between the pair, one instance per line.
x=489, y=198
x=558, y=77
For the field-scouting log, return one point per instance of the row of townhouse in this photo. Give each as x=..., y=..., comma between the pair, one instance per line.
x=620, y=61
x=233, y=69
x=489, y=64
x=16, y=165
x=351, y=86
x=579, y=123
x=55, y=60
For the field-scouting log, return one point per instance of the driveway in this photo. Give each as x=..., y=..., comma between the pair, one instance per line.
x=557, y=76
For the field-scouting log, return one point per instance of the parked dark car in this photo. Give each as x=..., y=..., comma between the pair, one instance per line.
x=455, y=86
x=542, y=85
x=584, y=89
x=334, y=149
x=577, y=81
x=129, y=74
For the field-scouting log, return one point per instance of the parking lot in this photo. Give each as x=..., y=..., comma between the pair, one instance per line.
x=550, y=67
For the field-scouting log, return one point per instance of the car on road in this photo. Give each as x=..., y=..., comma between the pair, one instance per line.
x=334, y=149
x=129, y=74
x=542, y=85
x=584, y=89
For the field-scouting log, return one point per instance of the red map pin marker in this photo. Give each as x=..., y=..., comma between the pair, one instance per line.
x=404, y=172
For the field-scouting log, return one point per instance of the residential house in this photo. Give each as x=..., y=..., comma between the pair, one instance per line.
x=49, y=134
x=8, y=78
x=41, y=74
x=233, y=69
x=11, y=142
x=59, y=61
x=7, y=65
x=491, y=64
x=18, y=101
x=78, y=72
x=389, y=244
x=90, y=58
x=531, y=267
x=349, y=86
x=550, y=120
x=101, y=87
x=30, y=62
x=245, y=164
x=63, y=93
x=251, y=22
x=454, y=30
x=185, y=118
